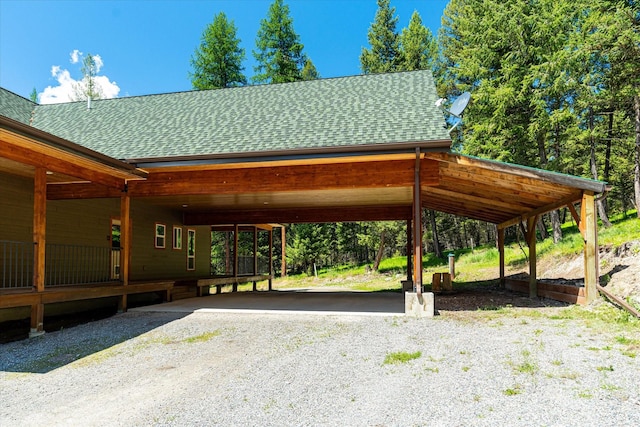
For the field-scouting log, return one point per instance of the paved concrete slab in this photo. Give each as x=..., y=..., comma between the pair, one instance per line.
x=296, y=301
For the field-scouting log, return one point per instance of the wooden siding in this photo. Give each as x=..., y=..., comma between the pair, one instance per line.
x=16, y=208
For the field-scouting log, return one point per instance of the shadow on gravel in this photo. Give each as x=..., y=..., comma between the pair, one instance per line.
x=54, y=350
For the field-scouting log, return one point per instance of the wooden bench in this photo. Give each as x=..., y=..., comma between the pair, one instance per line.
x=219, y=282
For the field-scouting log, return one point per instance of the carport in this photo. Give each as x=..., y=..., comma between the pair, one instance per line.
x=362, y=148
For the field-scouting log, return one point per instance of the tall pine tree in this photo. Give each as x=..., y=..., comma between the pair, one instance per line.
x=419, y=47
x=384, y=55
x=278, y=48
x=217, y=62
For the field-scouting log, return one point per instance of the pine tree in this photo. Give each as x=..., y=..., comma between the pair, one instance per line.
x=385, y=55
x=419, y=47
x=217, y=62
x=279, y=50
x=309, y=72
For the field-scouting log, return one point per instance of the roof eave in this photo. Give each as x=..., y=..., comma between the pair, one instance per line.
x=294, y=154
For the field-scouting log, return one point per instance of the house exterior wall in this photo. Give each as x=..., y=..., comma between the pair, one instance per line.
x=87, y=223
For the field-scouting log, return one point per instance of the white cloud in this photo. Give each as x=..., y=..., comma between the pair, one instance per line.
x=67, y=87
x=75, y=56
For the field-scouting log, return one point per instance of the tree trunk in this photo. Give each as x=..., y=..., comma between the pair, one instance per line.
x=594, y=172
x=636, y=175
x=436, y=238
x=556, y=226
x=542, y=228
x=378, y=259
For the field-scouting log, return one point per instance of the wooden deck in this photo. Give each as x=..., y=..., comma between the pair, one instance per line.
x=10, y=298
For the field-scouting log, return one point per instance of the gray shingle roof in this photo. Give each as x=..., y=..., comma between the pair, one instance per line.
x=15, y=107
x=329, y=113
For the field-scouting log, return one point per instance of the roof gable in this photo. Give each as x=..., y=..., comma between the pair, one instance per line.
x=326, y=113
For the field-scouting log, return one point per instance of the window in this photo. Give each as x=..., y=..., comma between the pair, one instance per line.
x=161, y=231
x=191, y=249
x=177, y=237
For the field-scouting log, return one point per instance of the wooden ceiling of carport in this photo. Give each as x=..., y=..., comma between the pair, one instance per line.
x=377, y=187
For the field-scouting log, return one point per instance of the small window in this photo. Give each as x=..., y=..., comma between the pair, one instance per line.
x=191, y=249
x=177, y=237
x=161, y=235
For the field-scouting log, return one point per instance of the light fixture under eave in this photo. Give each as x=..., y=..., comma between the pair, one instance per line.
x=457, y=108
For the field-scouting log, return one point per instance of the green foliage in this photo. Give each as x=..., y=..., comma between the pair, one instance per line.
x=553, y=82
x=419, y=47
x=217, y=62
x=34, y=95
x=309, y=71
x=400, y=357
x=279, y=50
x=385, y=55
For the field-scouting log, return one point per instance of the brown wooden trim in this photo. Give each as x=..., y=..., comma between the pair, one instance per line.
x=39, y=227
x=397, y=173
x=531, y=242
x=125, y=238
x=81, y=190
x=502, y=255
x=20, y=149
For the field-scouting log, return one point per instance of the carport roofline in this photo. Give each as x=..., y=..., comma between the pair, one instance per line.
x=294, y=154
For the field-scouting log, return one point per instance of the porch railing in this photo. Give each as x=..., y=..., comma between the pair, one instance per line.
x=71, y=264
x=64, y=264
x=16, y=264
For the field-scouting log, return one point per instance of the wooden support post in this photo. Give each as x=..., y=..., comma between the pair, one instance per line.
x=531, y=242
x=409, y=251
x=271, y=259
x=227, y=253
x=39, y=251
x=417, y=224
x=255, y=256
x=589, y=219
x=501, y=252
x=283, y=234
x=235, y=251
x=125, y=245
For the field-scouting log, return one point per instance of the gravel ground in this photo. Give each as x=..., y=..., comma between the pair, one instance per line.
x=140, y=369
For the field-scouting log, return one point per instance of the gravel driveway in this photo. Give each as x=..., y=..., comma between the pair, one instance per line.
x=146, y=368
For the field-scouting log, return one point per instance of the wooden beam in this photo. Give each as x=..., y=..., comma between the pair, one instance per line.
x=283, y=243
x=577, y=219
x=24, y=150
x=236, y=239
x=589, y=218
x=531, y=242
x=39, y=227
x=501, y=252
x=81, y=190
x=125, y=245
x=520, y=171
x=417, y=225
x=397, y=173
x=299, y=215
x=409, y=250
x=541, y=210
x=270, y=259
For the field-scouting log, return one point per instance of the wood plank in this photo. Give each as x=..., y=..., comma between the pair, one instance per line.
x=520, y=171
x=81, y=190
x=531, y=242
x=417, y=229
x=514, y=207
x=275, y=179
x=21, y=149
x=303, y=215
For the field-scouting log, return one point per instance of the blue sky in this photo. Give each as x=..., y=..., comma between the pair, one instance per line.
x=145, y=46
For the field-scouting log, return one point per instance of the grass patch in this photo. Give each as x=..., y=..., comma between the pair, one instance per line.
x=513, y=391
x=202, y=337
x=400, y=357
